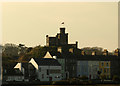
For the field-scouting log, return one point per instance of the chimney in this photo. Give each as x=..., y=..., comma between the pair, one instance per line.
x=59, y=49
x=93, y=53
x=71, y=50
x=76, y=44
x=105, y=52
x=117, y=52
x=83, y=52
x=47, y=36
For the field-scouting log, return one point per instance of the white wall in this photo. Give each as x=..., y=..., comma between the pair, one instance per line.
x=15, y=78
x=46, y=77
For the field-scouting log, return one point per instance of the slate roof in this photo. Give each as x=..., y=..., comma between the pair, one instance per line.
x=98, y=58
x=9, y=65
x=47, y=62
x=13, y=72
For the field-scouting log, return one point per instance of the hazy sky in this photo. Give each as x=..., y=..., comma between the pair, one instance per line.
x=89, y=23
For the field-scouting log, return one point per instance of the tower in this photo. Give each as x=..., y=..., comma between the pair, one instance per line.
x=62, y=30
x=62, y=36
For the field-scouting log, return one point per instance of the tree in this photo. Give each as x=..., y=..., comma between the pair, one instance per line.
x=116, y=78
x=10, y=50
x=37, y=52
x=89, y=50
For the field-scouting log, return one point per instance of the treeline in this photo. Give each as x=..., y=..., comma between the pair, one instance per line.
x=98, y=50
x=15, y=53
x=12, y=52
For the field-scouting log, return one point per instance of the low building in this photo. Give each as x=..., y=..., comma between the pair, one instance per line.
x=14, y=75
x=47, y=69
x=24, y=68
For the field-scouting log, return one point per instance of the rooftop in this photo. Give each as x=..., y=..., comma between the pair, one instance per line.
x=47, y=61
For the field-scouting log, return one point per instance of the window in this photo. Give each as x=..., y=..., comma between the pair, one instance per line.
x=42, y=75
x=58, y=36
x=108, y=76
x=104, y=70
x=19, y=77
x=107, y=70
x=73, y=68
x=54, y=71
x=102, y=63
x=47, y=72
x=62, y=67
x=107, y=64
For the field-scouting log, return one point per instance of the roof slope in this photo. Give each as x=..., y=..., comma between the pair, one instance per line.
x=47, y=62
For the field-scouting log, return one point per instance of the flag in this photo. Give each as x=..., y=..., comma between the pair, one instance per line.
x=62, y=23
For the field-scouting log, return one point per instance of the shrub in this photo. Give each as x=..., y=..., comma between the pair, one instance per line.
x=62, y=82
x=115, y=78
x=84, y=77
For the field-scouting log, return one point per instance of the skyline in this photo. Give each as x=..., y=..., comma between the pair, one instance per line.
x=22, y=18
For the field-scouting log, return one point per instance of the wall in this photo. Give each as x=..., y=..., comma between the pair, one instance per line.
x=104, y=67
x=62, y=62
x=15, y=78
x=44, y=73
x=88, y=68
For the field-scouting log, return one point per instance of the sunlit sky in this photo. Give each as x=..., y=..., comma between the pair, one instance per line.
x=90, y=23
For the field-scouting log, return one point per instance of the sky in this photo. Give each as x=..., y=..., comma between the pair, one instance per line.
x=90, y=23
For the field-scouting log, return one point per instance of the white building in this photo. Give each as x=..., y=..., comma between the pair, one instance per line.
x=14, y=75
x=47, y=69
x=23, y=68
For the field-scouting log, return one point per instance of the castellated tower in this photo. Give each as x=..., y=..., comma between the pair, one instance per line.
x=62, y=37
x=60, y=40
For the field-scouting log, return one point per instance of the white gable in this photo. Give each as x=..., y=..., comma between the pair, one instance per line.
x=19, y=66
x=32, y=61
x=48, y=55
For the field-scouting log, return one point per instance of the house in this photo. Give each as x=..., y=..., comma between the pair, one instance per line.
x=14, y=75
x=88, y=68
x=19, y=66
x=24, y=68
x=7, y=70
x=62, y=61
x=104, y=67
x=47, y=69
